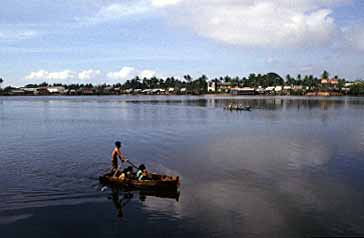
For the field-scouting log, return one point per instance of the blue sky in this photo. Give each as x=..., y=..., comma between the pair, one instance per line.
x=111, y=41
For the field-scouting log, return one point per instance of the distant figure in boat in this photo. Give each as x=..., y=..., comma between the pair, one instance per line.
x=114, y=156
x=237, y=107
x=142, y=173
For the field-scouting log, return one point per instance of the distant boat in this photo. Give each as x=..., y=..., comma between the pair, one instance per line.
x=237, y=108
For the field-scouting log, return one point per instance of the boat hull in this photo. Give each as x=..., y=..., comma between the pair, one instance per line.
x=157, y=182
x=247, y=108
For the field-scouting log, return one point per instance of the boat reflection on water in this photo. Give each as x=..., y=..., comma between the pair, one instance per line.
x=121, y=196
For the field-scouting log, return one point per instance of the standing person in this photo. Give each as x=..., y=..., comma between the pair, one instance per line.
x=114, y=156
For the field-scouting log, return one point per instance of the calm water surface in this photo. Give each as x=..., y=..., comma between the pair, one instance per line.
x=292, y=167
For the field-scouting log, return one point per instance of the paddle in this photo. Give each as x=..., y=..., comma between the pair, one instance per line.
x=132, y=164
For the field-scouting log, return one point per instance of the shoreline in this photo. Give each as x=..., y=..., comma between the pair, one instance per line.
x=184, y=95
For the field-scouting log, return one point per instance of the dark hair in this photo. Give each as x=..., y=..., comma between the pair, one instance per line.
x=128, y=169
x=118, y=144
x=142, y=167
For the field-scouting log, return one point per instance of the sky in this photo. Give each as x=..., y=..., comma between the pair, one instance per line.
x=110, y=41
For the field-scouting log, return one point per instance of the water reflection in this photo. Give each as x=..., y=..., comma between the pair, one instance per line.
x=121, y=197
x=267, y=103
x=292, y=167
x=120, y=203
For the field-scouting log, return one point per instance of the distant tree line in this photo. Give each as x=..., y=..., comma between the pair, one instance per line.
x=199, y=85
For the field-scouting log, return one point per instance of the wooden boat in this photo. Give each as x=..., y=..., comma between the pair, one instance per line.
x=156, y=182
x=237, y=108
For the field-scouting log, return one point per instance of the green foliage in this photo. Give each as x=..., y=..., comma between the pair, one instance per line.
x=357, y=89
x=270, y=79
x=325, y=75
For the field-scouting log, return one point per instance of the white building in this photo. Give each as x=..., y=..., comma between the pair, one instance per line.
x=269, y=89
x=260, y=90
x=56, y=90
x=287, y=87
x=30, y=90
x=242, y=91
x=278, y=88
x=211, y=87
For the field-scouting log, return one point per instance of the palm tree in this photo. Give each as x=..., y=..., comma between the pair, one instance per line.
x=188, y=78
x=1, y=81
x=325, y=75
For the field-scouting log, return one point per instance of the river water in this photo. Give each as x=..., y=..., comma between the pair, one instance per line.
x=291, y=167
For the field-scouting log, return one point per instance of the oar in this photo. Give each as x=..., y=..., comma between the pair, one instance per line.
x=132, y=164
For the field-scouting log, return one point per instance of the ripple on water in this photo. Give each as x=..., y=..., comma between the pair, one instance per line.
x=21, y=199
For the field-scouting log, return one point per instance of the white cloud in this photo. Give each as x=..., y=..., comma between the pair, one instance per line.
x=123, y=74
x=62, y=75
x=17, y=35
x=147, y=73
x=278, y=23
x=89, y=74
x=164, y=3
x=251, y=23
x=41, y=74
x=45, y=75
x=121, y=10
x=117, y=11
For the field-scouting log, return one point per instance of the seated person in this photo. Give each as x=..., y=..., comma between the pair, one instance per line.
x=127, y=172
x=142, y=173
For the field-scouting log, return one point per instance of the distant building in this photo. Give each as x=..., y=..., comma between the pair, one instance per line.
x=87, y=91
x=128, y=91
x=16, y=91
x=43, y=90
x=225, y=87
x=30, y=91
x=278, y=88
x=137, y=90
x=269, y=89
x=72, y=92
x=56, y=90
x=260, y=90
x=146, y=91
x=287, y=88
x=297, y=87
x=242, y=91
x=329, y=81
x=211, y=87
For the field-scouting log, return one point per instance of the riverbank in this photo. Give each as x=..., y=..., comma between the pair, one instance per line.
x=321, y=94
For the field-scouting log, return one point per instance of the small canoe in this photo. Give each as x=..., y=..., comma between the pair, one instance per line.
x=235, y=108
x=156, y=182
